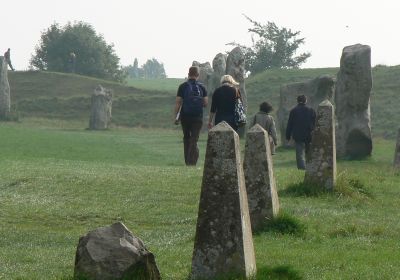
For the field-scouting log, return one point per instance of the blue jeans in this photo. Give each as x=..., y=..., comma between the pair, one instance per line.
x=301, y=154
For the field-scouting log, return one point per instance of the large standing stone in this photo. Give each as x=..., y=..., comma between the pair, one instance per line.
x=5, y=104
x=100, y=115
x=113, y=252
x=352, y=99
x=219, y=67
x=259, y=176
x=396, y=162
x=316, y=90
x=235, y=66
x=206, y=72
x=223, y=243
x=321, y=170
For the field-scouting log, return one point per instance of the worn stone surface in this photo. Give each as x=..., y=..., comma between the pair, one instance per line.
x=396, y=161
x=235, y=66
x=321, y=170
x=223, y=243
x=352, y=99
x=206, y=72
x=259, y=177
x=113, y=252
x=5, y=103
x=219, y=67
x=316, y=90
x=100, y=115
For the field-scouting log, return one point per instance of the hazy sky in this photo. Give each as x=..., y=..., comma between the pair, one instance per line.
x=177, y=32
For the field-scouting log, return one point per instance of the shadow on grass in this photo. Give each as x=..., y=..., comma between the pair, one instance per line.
x=283, y=224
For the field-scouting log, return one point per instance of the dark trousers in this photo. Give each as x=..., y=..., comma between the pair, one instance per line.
x=302, y=154
x=191, y=130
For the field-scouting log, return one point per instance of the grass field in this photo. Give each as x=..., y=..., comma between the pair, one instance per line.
x=58, y=181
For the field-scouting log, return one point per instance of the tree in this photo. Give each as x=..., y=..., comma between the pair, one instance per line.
x=273, y=47
x=94, y=57
x=153, y=69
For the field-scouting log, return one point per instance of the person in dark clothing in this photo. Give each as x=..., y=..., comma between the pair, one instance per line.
x=223, y=103
x=299, y=127
x=7, y=57
x=190, y=100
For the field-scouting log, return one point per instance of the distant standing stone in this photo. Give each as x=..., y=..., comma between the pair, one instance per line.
x=321, y=170
x=396, y=162
x=5, y=103
x=100, y=115
x=223, y=243
x=114, y=253
x=259, y=176
x=352, y=101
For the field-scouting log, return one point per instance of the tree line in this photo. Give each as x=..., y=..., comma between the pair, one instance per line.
x=78, y=48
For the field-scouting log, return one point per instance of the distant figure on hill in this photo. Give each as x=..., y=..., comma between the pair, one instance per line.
x=300, y=126
x=7, y=57
x=267, y=122
x=190, y=100
x=72, y=62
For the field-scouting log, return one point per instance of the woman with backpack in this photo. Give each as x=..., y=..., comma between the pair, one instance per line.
x=266, y=121
x=223, y=103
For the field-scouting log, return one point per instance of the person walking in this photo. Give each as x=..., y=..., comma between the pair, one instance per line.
x=223, y=103
x=266, y=121
x=299, y=127
x=190, y=100
x=7, y=57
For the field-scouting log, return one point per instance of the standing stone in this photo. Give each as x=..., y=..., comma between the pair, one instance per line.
x=206, y=72
x=396, y=162
x=316, y=90
x=114, y=253
x=219, y=67
x=223, y=243
x=321, y=170
x=259, y=176
x=5, y=104
x=352, y=99
x=235, y=66
x=100, y=115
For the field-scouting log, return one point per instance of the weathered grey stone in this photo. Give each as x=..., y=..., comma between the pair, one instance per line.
x=259, y=177
x=235, y=66
x=5, y=103
x=321, y=170
x=206, y=72
x=223, y=243
x=113, y=252
x=352, y=99
x=219, y=67
x=316, y=90
x=100, y=115
x=396, y=161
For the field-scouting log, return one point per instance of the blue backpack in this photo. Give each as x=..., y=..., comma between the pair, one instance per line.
x=192, y=100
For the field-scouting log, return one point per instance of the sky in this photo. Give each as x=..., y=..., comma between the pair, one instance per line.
x=177, y=32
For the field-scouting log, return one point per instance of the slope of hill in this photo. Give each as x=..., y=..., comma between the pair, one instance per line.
x=150, y=103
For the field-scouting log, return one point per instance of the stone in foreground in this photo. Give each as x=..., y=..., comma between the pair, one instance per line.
x=352, y=101
x=396, y=162
x=259, y=176
x=223, y=243
x=101, y=105
x=113, y=253
x=5, y=103
x=321, y=170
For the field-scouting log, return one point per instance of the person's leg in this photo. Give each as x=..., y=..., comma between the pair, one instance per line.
x=186, y=138
x=195, y=129
x=300, y=156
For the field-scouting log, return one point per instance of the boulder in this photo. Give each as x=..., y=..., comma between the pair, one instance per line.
x=223, y=242
x=259, y=177
x=396, y=161
x=5, y=103
x=321, y=169
x=352, y=100
x=101, y=105
x=113, y=252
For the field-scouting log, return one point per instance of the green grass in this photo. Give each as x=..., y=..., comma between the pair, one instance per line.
x=59, y=181
x=169, y=85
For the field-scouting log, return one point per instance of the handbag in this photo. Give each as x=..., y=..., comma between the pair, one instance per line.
x=240, y=114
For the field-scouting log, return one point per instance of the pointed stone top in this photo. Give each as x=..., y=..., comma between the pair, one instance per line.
x=256, y=128
x=325, y=103
x=222, y=126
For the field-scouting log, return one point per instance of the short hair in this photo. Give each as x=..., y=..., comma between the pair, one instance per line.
x=228, y=79
x=265, y=107
x=301, y=99
x=194, y=71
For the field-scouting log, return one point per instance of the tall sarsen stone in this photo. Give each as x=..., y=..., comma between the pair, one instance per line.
x=5, y=103
x=101, y=104
x=259, y=176
x=223, y=243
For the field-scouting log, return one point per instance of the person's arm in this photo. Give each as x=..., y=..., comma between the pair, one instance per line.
x=205, y=101
x=178, y=105
x=210, y=120
x=273, y=132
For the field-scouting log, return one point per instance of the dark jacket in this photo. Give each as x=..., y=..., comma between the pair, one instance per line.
x=301, y=123
x=223, y=105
